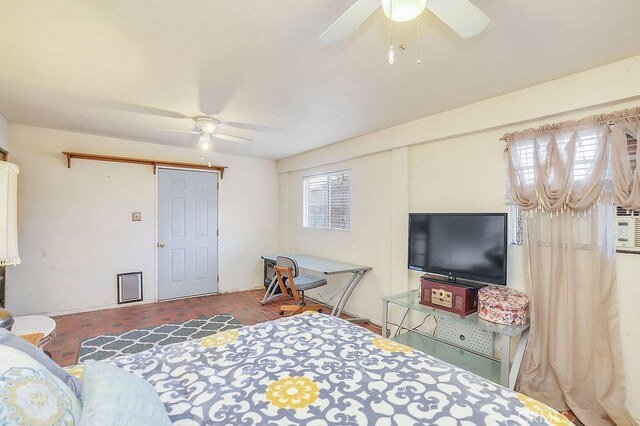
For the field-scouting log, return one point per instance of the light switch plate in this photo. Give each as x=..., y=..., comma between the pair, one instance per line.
x=136, y=216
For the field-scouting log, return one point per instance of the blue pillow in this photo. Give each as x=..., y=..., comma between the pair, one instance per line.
x=16, y=342
x=112, y=396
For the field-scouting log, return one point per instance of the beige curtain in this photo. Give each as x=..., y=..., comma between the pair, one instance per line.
x=560, y=176
x=625, y=154
x=9, y=214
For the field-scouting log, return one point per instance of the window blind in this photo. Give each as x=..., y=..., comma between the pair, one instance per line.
x=632, y=146
x=327, y=201
x=585, y=154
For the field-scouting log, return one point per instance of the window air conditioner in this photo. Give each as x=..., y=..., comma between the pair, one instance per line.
x=627, y=230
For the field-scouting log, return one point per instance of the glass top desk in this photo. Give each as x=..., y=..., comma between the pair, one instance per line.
x=326, y=267
x=499, y=370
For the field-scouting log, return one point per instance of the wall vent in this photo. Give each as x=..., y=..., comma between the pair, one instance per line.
x=130, y=287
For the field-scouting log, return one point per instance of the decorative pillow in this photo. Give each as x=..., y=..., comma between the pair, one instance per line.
x=16, y=342
x=112, y=396
x=31, y=395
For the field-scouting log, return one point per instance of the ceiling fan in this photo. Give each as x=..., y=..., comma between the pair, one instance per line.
x=206, y=127
x=460, y=15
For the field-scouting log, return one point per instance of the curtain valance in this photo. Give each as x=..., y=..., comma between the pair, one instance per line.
x=567, y=167
x=625, y=134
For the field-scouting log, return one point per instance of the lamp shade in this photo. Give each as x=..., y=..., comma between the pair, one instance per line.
x=9, y=214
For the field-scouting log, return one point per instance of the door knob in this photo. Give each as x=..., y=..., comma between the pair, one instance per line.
x=161, y=245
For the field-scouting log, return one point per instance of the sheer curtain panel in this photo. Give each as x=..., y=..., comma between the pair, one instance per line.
x=560, y=175
x=9, y=214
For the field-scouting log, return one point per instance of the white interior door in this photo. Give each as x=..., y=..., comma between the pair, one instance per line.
x=187, y=233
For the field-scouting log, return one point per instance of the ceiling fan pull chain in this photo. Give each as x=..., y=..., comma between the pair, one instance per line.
x=392, y=55
x=418, y=60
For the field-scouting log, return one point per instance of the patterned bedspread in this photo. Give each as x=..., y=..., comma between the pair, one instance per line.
x=320, y=370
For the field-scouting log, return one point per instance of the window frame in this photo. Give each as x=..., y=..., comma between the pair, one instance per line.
x=305, y=200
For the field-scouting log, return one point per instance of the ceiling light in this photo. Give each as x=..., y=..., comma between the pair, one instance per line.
x=206, y=124
x=204, y=140
x=403, y=10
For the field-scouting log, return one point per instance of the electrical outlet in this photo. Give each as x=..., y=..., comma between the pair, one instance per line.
x=136, y=217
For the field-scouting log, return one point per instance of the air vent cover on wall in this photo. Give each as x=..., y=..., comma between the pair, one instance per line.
x=130, y=287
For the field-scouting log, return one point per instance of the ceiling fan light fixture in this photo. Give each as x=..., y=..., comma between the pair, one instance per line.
x=205, y=124
x=403, y=10
x=204, y=140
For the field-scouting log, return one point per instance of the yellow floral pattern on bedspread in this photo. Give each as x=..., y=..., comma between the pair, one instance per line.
x=292, y=392
x=76, y=371
x=219, y=340
x=551, y=416
x=389, y=345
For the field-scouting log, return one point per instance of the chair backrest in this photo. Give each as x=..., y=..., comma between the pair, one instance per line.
x=285, y=272
x=288, y=262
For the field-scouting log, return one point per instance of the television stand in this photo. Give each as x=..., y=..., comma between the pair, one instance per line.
x=465, y=342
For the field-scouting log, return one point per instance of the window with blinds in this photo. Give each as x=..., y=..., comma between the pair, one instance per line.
x=585, y=155
x=632, y=146
x=327, y=201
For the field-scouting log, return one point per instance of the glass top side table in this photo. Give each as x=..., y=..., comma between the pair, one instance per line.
x=498, y=369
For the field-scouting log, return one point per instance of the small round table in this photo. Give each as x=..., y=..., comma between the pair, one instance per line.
x=29, y=324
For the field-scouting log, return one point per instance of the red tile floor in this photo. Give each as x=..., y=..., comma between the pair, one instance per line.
x=72, y=329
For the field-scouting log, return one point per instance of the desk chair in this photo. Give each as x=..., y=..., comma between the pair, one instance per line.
x=289, y=267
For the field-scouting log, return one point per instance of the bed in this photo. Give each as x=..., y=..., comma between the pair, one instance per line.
x=316, y=369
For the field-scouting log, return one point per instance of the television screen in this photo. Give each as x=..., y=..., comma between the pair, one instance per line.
x=466, y=246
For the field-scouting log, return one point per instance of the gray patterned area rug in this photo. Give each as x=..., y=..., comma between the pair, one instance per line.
x=109, y=346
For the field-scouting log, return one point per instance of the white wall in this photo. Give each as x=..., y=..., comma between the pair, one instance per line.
x=75, y=225
x=600, y=88
x=4, y=133
x=367, y=242
x=464, y=175
x=460, y=170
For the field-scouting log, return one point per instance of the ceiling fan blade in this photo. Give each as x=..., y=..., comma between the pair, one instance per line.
x=248, y=126
x=180, y=131
x=349, y=21
x=232, y=138
x=215, y=90
x=461, y=15
x=126, y=107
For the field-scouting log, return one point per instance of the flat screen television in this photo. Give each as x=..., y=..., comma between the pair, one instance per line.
x=466, y=246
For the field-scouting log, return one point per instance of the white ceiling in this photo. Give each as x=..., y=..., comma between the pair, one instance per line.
x=128, y=68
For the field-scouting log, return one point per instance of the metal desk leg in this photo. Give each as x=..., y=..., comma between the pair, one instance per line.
x=351, y=285
x=517, y=359
x=385, y=317
x=269, y=295
x=505, y=359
